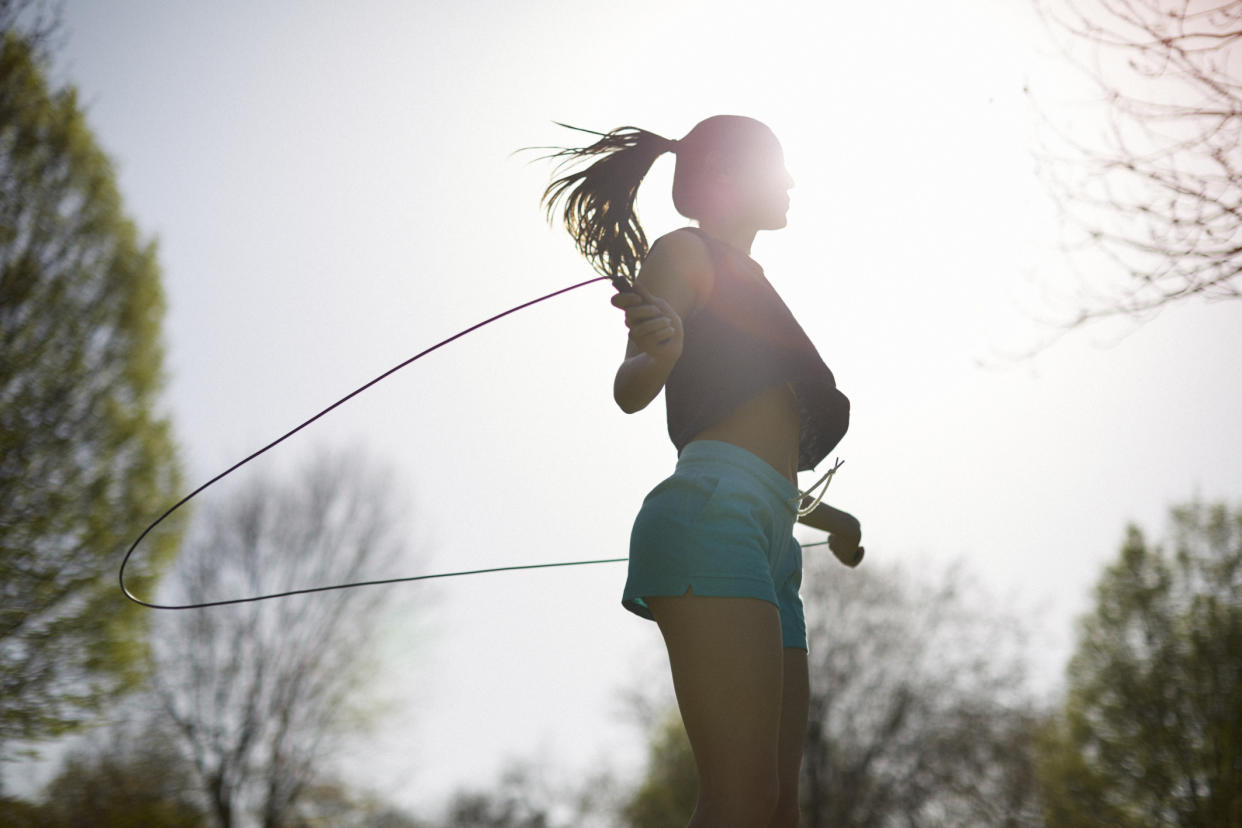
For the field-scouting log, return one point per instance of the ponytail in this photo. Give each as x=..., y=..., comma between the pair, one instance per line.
x=599, y=200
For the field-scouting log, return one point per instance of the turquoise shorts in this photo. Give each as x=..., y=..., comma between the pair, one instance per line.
x=722, y=525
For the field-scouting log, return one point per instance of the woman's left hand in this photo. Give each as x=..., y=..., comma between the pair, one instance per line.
x=846, y=544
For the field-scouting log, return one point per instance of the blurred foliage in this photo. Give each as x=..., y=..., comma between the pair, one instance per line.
x=336, y=805
x=506, y=808
x=1151, y=732
x=666, y=796
x=136, y=776
x=118, y=780
x=83, y=449
x=18, y=813
x=524, y=798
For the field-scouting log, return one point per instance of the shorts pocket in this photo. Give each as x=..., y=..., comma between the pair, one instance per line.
x=732, y=502
x=678, y=501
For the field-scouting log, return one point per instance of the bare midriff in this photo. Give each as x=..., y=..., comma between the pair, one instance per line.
x=767, y=426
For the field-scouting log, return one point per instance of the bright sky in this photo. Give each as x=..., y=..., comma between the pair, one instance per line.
x=333, y=190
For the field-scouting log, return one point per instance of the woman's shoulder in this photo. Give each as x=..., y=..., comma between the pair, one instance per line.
x=680, y=256
x=689, y=242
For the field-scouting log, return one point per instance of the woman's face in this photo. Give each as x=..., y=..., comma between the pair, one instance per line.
x=765, y=185
x=734, y=172
x=761, y=185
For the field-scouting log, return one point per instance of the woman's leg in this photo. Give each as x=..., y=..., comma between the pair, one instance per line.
x=795, y=707
x=727, y=664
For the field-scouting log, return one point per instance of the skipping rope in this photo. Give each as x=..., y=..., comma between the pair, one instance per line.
x=308, y=590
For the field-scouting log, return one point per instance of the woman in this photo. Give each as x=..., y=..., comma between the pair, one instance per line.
x=750, y=403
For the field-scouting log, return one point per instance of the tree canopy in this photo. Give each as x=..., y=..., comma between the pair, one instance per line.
x=84, y=450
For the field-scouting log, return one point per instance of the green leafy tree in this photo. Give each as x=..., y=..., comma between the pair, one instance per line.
x=1151, y=733
x=83, y=449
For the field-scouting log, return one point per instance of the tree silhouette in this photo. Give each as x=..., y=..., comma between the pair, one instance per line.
x=919, y=709
x=1151, y=732
x=257, y=693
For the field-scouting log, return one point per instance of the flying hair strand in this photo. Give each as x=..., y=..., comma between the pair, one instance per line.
x=597, y=203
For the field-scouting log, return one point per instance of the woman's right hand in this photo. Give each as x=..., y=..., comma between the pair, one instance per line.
x=655, y=327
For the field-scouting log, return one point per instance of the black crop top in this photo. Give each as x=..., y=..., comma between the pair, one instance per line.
x=740, y=342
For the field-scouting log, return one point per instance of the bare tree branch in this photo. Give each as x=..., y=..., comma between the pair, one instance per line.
x=1158, y=196
x=919, y=708
x=259, y=692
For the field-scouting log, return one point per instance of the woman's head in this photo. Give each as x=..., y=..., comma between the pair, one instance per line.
x=730, y=169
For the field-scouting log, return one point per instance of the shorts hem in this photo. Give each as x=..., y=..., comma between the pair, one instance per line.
x=793, y=637
x=707, y=586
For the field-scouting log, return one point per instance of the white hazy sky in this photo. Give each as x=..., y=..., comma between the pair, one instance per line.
x=333, y=189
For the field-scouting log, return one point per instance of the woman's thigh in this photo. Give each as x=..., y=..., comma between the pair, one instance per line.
x=727, y=663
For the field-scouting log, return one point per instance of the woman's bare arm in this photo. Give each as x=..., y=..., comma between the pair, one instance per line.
x=827, y=519
x=844, y=531
x=672, y=279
